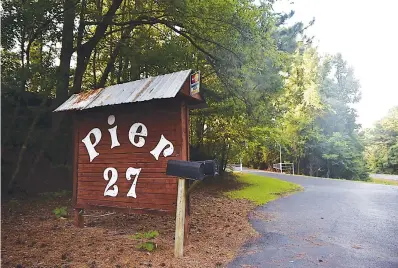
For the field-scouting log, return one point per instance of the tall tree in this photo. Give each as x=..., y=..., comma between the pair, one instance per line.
x=382, y=144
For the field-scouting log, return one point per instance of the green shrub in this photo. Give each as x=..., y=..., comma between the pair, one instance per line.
x=145, y=238
x=60, y=212
x=147, y=235
x=147, y=246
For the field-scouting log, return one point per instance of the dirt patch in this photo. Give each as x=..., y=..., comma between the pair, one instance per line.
x=33, y=237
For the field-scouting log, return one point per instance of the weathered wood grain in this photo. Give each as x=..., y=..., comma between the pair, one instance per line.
x=156, y=192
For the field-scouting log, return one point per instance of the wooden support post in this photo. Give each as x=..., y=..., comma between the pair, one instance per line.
x=78, y=218
x=180, y=219
x=187, y=223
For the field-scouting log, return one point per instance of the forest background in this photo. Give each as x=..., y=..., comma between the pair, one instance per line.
x=267, y=86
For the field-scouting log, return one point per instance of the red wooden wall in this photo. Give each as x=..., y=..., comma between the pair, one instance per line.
x=156, y=192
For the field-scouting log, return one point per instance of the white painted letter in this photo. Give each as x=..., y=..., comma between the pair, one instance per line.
x=133, y=132
x=112, y=131
x=132, y=171
x=162, y=145
x=111, y=182
x=90, y=146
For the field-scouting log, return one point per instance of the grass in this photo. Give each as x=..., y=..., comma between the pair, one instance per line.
x=383, y=181
x=260, y=189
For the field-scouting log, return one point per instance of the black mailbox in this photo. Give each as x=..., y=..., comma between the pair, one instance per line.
x=211, y=168
x=186, y=169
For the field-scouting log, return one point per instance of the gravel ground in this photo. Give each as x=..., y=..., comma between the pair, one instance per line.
x=31, y=236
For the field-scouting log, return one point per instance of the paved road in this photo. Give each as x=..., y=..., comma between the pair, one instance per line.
x=332, y=223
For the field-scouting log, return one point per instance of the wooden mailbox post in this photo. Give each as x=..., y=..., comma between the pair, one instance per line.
x=123, y=137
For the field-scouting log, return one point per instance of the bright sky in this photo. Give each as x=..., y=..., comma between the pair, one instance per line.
x=366, y=34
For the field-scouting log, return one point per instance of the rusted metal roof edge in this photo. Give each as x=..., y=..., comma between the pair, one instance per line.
x=87, y=100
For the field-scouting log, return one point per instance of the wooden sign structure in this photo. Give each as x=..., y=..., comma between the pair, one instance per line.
x=123, y=137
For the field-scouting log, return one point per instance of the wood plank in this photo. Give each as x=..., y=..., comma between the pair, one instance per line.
x=147, y=199
x=154, y=166
x=146, y=166
x=132, y=205
x=158, y=204
x=159, y=183
x=148, y=178
x=143, y=175
x=123, y=127
x=185, y=156
x=140, y=186
x=180, y=219
x=141, y=163
x=123, y=190
x=127, y=210
x=154, y=128
x=131, y=157
x=149, y=146
x=129, y=148
x=78, y=220
x=132, y=115
x=120, y=167
x=108, y=157
x=123, y=134
x=156, y=192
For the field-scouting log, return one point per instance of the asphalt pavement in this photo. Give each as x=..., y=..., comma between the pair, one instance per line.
x=332, y=223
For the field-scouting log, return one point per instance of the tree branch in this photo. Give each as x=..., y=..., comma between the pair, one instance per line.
x=85, y=50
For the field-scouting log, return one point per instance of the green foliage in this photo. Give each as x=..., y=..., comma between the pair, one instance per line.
x=147, y=246
x=382, y=144
x=61, y=212
x=145, y=243
x=265, y=85
x=262, y=190
x=146, y=235
x=383, y=181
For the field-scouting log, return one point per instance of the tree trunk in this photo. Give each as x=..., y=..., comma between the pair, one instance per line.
x=120, y=71
x=22, y=54
x=63, y=71
x=112, y=58
x=223, y=159
x=328, y=172
x=199, y=126
x=85, y=50
x=124, y=77
x=95, y=68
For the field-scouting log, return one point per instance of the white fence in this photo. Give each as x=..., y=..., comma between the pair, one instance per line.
x=283, y=167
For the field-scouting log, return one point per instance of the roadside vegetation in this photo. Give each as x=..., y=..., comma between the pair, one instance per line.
x=381, y=151
x=260, y=189
x=383, y=181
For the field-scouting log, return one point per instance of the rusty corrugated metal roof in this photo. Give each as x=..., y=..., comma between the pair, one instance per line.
x=158, y=87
